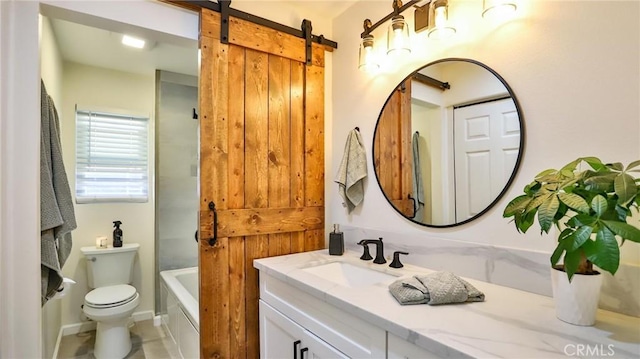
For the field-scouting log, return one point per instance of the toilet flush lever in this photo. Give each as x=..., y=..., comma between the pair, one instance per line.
x=92, y=259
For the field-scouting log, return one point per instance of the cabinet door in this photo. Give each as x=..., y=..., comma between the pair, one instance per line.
x=282, y=338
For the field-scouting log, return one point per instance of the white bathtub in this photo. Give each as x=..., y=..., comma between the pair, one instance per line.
x=179, y=301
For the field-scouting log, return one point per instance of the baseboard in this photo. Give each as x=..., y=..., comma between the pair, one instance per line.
x=145, y=315
x=76, y=328
x=58, y=340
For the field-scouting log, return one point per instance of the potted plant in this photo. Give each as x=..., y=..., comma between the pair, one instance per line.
x=590, y=207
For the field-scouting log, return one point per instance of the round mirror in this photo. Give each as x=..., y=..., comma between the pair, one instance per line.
x=448, y=142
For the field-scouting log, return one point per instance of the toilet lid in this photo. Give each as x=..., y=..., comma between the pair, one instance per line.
x=110, y=296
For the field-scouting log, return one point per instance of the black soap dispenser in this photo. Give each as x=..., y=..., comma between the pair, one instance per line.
x=117, y=234
x=336, y=241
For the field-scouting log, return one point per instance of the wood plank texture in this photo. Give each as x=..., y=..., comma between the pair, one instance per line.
x=297, y=134
x=256, y=247
x=256, y=126
x=314, y=136
x=254, y=221
x=393, y=151
x=214, y=301
x=262, y=163
x=406, y=151
x=261, y=38
x=236, y=126
x=237, y=265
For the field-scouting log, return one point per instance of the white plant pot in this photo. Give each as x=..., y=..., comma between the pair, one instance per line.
x=576, y=301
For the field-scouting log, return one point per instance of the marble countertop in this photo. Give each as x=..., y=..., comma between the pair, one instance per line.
x=510, y=323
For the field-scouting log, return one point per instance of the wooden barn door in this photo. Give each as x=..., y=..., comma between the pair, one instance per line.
x=261, y=164
x=392, y=150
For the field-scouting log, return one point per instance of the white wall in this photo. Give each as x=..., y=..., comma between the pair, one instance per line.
x=573, y=67
x=20, y=314
x=101, y=89
x=51, y=72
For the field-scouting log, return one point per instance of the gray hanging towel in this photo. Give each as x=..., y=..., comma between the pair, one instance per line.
x=418, y=185
x=433, y=289
x=57, y=217
x=352, y=171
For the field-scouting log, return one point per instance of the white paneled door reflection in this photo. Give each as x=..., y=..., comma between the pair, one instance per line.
x=487, y=140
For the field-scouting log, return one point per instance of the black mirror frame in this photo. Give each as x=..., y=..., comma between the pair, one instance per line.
x=518, y=160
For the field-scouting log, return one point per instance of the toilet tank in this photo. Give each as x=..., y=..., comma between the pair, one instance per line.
x=110, y=266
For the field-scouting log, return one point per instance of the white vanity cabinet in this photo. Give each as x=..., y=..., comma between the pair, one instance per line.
x=288, y=314
x=280, y=337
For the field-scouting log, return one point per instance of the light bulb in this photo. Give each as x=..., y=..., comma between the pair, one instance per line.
x=499, y=10
x=441, y=29
x=398, y=41
x=367, y=59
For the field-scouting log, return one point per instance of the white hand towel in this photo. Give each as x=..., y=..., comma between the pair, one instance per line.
x=352, y=171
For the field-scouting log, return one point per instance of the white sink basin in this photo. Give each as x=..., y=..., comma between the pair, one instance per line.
x=348, y=275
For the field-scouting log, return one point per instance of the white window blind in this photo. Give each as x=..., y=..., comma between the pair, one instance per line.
x=111, y=158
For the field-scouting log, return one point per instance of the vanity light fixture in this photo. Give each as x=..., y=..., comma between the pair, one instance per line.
x=398, y=40
x=440, y=28
x=498, y=9
x=367, y=60
x=431, y=15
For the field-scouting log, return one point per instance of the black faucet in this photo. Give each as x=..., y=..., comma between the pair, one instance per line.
x=365, y=255
x=396, y=259
x=379, y=249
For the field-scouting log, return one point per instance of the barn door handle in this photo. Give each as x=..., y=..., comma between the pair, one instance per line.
x=213, y=240
x=415, y=209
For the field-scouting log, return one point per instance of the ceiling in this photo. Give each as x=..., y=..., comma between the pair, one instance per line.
x=102, y=48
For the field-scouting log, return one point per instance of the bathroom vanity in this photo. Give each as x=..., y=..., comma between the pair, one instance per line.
x=313, y=305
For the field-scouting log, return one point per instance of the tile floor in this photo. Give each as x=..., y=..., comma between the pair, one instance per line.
x=147, y=342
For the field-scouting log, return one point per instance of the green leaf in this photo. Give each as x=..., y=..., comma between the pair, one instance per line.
x=526, y=220
x=624, y=230
x=537, y=201
x=633, y=164
x=545, y=173
x=555, y=257
x=564, y=241
x=604, y=252
x=571, y=263
x=580, y=236
x=546, y=213
x=571, y=166
x=599, y=205
x=518, y=204
x=594, y=162
x=616, y=166
x=625, y=188
x=567, y=173
x=574, y=202
x=600, y=183
x=581, y=220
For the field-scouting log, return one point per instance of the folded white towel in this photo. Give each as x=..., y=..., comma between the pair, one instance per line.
x=352, y=171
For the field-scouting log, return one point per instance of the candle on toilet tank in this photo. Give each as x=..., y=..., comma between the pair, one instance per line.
x=101, y=242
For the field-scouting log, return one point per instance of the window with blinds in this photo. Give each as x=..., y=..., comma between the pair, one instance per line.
x=111, y=158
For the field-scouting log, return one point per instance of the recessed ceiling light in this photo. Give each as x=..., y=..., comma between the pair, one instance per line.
x=132, y=41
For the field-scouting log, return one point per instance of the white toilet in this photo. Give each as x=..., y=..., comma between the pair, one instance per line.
x=111, y=303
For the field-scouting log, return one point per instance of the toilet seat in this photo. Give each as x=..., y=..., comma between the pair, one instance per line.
x=110, y=296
